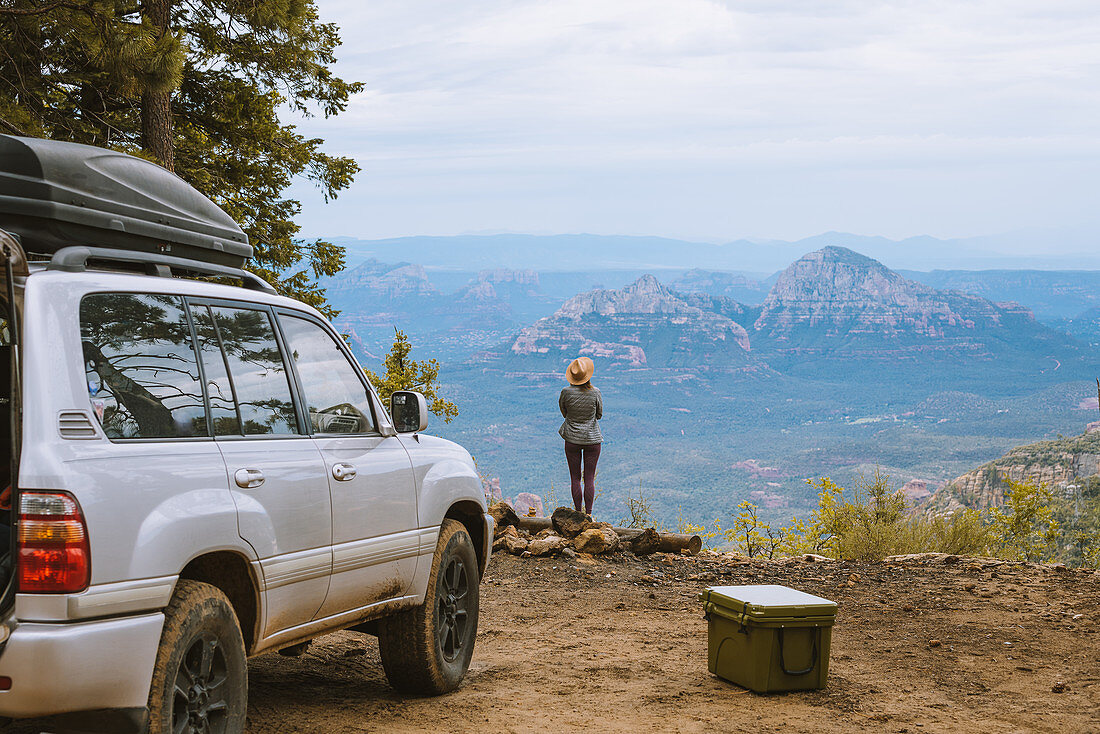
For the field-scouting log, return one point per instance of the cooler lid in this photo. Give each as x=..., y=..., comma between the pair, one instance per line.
x=764, y=601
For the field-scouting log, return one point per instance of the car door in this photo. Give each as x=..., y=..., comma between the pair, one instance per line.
x=375, y=539
x=276, y=471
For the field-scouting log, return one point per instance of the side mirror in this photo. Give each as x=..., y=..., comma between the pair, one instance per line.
x=409, y=410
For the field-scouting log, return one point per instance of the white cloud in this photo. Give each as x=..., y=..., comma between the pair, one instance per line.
x=559, y=115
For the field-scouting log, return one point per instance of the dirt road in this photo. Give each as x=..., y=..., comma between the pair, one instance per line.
x=621, y=646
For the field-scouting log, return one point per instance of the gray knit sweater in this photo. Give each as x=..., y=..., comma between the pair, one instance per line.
x=581, y=409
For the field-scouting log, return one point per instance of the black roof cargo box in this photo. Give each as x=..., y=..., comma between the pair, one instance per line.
x=55, y=194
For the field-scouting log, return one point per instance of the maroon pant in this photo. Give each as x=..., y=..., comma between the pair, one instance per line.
x=590, y=454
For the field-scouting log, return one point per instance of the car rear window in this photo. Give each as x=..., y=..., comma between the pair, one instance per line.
x=140, y=365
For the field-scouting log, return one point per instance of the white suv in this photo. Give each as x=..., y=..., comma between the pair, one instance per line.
x=203, y=474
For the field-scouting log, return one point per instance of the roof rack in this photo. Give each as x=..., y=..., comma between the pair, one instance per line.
x=75, y=260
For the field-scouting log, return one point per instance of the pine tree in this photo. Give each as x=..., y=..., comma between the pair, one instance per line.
x=196, y=85
x=403, y=373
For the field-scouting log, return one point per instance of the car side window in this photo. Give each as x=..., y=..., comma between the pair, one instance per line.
x=338, y=400
x=219, y=388
x=140, y=366
x=256, y=369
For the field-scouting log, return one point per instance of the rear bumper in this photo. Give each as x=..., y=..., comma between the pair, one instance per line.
x=87, y=666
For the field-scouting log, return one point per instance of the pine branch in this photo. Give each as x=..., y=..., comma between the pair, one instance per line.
x=13, y=129
x=40, y=10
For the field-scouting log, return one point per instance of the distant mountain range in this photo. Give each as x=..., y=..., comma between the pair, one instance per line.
x=374, y=298
x=831, y=313
x=1051, y=294
x=737, y=286
x=588, y=252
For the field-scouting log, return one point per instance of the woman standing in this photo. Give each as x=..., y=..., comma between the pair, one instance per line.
x=582, y=406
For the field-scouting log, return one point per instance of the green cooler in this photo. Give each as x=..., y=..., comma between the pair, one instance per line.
x=769, y=638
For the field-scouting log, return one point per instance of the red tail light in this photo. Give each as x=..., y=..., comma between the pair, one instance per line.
x=54, y=556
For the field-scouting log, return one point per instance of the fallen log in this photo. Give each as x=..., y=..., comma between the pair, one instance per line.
x=669, y=542
x=533, y=524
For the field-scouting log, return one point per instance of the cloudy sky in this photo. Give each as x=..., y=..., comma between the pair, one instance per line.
x=714, y=120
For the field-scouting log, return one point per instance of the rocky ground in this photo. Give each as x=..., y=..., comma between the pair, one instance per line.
x=610, y=644
x=615, y=643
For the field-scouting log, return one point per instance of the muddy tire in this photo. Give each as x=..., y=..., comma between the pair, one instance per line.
x=200, y=680
x=427, y=650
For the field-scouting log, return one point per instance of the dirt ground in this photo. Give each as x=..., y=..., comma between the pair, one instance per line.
x=618, y=645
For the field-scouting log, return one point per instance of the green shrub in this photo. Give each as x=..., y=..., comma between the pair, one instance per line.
x=750, y=535
x=868, y=522
x=1025, y=529
x=871, y=521
x=639, y=511
x=961, y=533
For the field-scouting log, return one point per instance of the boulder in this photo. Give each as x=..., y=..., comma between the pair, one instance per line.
x=509, y=533
x=547, y=545
x=919, y=558
x=815, y=558
x=601, y=538
x=646, y=542
x=568, y=522
x=515, y=546
x=503, y=515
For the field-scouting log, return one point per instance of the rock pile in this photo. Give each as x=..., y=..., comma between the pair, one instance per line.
x=570, y=533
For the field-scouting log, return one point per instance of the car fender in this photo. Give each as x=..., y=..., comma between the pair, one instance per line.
x=445, y=484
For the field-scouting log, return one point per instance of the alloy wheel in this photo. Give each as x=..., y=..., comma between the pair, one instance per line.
x=452, y=609
x=200, y=704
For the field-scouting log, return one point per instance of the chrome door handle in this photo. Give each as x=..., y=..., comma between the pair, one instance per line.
x=248, y=478
x=343, y=472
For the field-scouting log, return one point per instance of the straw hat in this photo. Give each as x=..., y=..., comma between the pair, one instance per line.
x=580, y=371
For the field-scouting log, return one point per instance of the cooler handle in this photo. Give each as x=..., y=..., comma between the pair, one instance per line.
x=711, y=608
x=813, y=655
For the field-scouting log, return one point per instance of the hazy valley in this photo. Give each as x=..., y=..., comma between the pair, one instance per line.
x=725, y=385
